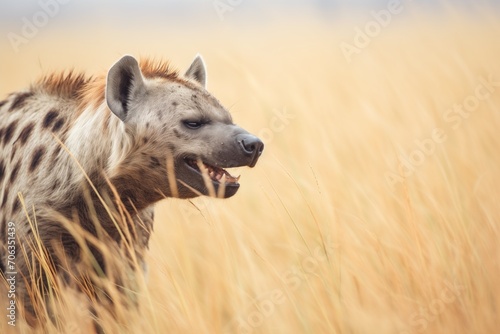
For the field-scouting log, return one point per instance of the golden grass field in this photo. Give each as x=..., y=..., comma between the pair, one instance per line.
x=333, y=231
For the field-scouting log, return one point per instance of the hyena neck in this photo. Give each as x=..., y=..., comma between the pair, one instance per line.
x=99, y=142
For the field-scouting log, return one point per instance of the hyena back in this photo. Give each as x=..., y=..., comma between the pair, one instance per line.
x=72, y=147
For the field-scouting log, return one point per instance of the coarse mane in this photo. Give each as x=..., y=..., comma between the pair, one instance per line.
x=67, y=84
x=89, y=90
x=152, y=68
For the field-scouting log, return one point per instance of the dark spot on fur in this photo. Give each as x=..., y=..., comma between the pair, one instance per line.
x=145, y=140
x=20, y=100
x=9, y=131
x=58, y=125
x=13, y=174
x=13, y=153
x=50, y=118
x=25, y=133
x=2, y=170
x=175, y=103
x=100, y=162
x=56, y=152
x=154, y=162
x=147, y=125
x=56, y=184
x=15, y=206
x=4, y=201
x=2, y=103
x=180, y=134
x=36, y=158
x=194, y=96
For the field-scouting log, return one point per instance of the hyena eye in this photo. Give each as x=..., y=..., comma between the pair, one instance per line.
x=193, y=124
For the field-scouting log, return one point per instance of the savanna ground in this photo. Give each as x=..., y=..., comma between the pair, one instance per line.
x=374, y=208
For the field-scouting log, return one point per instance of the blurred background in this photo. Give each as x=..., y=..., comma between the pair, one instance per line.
x=37, y=33
x=374, y=208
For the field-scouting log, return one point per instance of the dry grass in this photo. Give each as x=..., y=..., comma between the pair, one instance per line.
x=317, y=240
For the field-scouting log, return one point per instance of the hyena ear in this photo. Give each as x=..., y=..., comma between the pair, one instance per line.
x=197, y=71
x=124, y=83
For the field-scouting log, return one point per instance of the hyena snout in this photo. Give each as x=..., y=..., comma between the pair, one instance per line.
x=251, y=147
x=204, y=173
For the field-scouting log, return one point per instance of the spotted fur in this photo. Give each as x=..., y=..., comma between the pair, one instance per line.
x=82, y=149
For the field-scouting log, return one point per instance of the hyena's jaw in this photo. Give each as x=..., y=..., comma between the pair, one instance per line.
x=204, y=176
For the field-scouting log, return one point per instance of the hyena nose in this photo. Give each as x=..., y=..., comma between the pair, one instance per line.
x=251, y=145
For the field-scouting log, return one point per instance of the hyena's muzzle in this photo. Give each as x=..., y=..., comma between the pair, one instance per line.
x=226, y=146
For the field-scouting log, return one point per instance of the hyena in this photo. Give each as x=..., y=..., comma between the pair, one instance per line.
x=99, y=152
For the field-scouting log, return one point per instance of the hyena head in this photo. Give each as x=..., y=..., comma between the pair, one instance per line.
x=187, y=135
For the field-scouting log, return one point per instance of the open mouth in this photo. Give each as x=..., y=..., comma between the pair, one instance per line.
x=216, y=174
